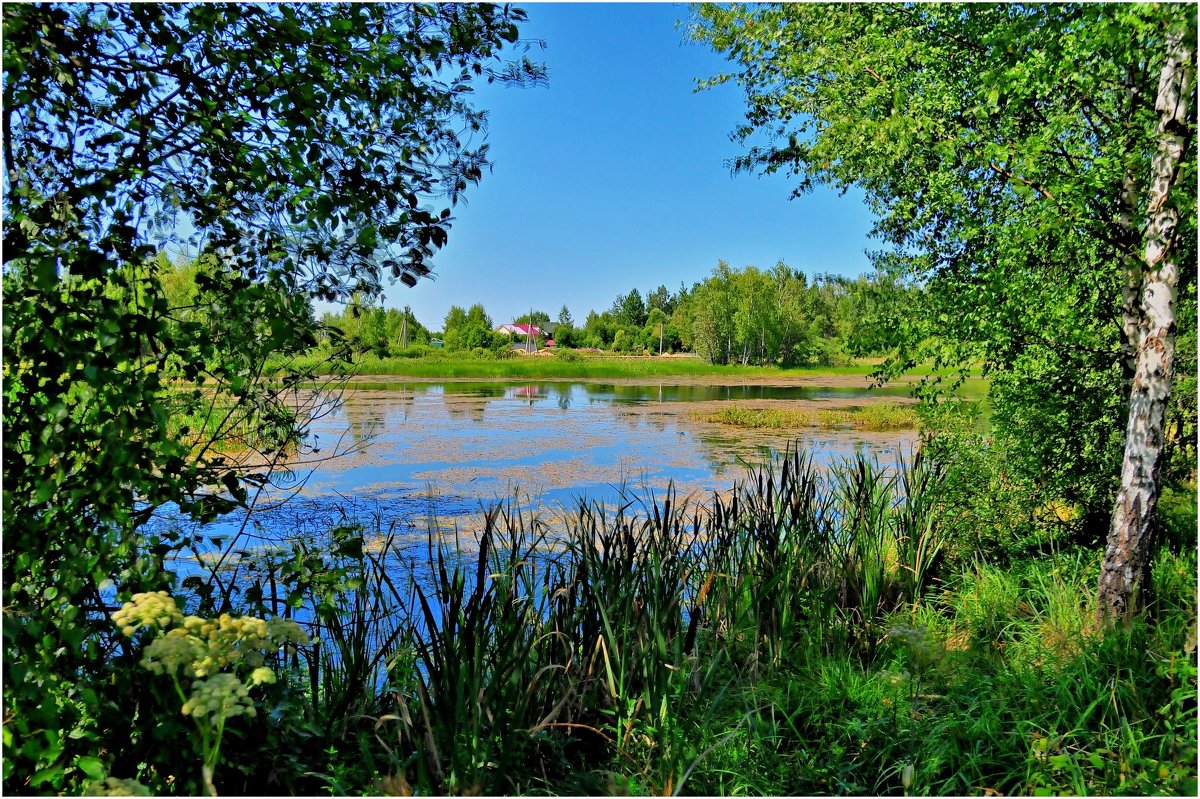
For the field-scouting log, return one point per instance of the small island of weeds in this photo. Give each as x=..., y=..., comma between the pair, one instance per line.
x=875, y=417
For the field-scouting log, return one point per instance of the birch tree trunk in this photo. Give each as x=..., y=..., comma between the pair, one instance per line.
x=1131, y=241
x=1127, y=554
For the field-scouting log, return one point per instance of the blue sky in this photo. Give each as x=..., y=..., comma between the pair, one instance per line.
x=616, y=177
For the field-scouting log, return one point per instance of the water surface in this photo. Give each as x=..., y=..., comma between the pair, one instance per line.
x=419, y=456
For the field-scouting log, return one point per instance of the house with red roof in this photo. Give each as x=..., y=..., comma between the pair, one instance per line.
x=520, y=330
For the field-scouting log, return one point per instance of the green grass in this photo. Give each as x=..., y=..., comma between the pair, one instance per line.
x=572, y=365
x=877, y=416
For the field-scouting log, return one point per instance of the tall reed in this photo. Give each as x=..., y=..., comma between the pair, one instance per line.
x=665, y=646
x=568, y=648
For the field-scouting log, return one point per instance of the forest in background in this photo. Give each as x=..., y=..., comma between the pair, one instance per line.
x=746, y=316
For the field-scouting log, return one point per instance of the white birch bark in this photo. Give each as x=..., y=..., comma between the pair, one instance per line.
x=1126, y=556
x=1131, y=237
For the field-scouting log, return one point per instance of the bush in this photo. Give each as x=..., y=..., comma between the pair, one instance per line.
x=1176, y=519
x=989, y=512
x=415, y=351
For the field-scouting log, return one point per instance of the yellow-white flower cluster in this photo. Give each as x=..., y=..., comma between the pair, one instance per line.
x=198, y=647
x=219, y=697
x=923, y=649
x=285, y=631
x=229, y=641
x=203, y=649
x=262, y=675
x=175, y=652
x=894, y=678
x=115, y=787
x=155, y=609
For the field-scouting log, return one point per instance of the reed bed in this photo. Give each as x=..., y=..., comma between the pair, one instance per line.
x=569, y=653
x=800, y=634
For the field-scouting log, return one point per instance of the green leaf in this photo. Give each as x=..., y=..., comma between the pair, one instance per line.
x=52, y=775
x=367, y=237
x=91, y=766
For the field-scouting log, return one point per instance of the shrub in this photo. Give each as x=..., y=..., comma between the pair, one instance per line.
x=212, y=663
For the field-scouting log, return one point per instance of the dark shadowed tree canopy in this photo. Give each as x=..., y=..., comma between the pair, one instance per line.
x=313, y=132
x=314, y=149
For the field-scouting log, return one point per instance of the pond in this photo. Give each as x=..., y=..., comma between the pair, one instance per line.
x=421, y=456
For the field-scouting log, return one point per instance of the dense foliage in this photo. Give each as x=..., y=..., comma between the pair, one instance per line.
x=744, y=316
x=303, y=143
x=1031, y=167
x=368, y=327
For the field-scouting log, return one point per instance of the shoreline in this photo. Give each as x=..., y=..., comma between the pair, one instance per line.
x=831, y=380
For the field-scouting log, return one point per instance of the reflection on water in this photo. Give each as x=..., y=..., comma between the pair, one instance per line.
x=563, y=395
x=416, y=455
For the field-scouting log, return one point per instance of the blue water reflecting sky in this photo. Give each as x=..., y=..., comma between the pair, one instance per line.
x=416, y=456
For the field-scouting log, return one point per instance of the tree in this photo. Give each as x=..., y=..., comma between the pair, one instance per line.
x=655, y=329
x=374, y=331
x=599, y=328
x=683, y=318
x=564, y=317
x=794, y=331
x=629, y=309
x=661, y=298
x=1031, y=167
x=467, y=330
x=566, y=337
x=456, y=318
x=403, y=329
x=622, y=342
x=876, y=303
x=713, y=308
x=306, y=145
x=477, y=316
x=538, y=319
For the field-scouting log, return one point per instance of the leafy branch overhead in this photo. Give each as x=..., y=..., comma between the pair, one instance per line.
x=308, y=134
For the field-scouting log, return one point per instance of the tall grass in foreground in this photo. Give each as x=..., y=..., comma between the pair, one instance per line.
x=800, y=635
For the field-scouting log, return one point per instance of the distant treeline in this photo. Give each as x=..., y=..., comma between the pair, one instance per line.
x=746, y=316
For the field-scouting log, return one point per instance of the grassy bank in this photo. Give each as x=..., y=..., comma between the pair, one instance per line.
x=434, y=364
x=569, y=365
x=805, y=635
